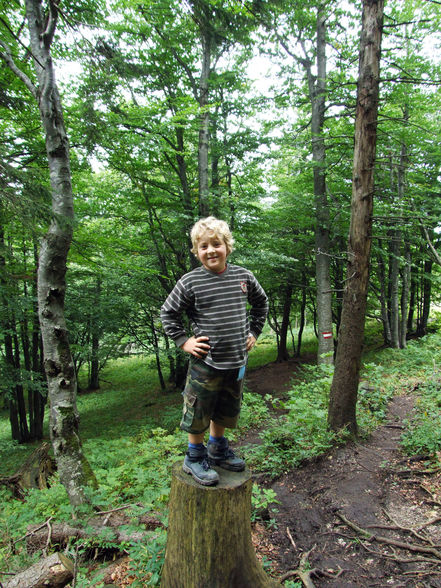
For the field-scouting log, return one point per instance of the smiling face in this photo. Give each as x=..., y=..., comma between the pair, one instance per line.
x=212, y=252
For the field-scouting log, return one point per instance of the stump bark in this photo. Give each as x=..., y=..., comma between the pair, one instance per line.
x=209, y=534
x=34, y=473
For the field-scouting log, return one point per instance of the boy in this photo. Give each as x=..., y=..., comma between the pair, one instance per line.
x=214, y=296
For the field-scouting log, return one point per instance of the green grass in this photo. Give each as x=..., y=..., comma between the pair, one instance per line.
x=131, y=437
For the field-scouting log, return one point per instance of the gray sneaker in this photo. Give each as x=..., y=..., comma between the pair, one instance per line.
x=222, y=456
x=196, y=464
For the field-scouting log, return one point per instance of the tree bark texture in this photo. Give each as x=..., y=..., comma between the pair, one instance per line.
x=317, y=93
x=209, y=534
x=426, y=296
x=344, y=388
x=203, y=18
x=34, y=473
x=58, y=362
x=54, y=571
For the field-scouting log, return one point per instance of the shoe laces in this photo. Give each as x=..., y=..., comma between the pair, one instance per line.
x=229, y=453
x=205, y=465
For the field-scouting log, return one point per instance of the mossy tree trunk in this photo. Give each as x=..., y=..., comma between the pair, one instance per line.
x=209, y=534
x=62, y=386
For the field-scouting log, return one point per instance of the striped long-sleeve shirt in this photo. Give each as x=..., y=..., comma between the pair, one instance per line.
x=216, y=305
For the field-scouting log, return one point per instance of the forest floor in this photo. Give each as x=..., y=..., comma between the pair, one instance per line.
x=325, y=505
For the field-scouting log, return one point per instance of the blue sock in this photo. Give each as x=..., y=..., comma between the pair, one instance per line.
x=195, y=445
x=219, y=440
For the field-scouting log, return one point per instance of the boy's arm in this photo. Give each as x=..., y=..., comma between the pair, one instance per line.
x=171, y=316
x=172, y=310
x=259, y=308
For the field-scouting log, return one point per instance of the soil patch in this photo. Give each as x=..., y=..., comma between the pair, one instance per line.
x=369, y=485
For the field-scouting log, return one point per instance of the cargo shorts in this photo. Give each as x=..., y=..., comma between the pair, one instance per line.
x=211, y=394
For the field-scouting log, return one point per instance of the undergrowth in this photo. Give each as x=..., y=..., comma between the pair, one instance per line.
x=131, y=439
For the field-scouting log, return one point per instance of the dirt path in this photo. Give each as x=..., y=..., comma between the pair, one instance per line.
x=370, y=484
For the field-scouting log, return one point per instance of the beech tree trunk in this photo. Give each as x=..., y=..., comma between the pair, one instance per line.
x=209, y=534
x=317, y=95
x=426, y=296
x=282, y=349
x=344, y=388
x=203, y=17
x=58, y=363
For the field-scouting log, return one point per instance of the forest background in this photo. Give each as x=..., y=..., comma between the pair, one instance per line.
x=169, y=118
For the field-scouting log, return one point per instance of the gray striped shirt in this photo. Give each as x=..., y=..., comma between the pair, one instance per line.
x=216, y=305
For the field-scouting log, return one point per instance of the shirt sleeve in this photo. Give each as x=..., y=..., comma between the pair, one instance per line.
x=172, y=311
x=259, y=306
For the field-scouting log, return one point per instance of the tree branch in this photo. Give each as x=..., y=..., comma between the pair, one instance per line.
x=51, y=24
x=435, y=253
x=7, y=58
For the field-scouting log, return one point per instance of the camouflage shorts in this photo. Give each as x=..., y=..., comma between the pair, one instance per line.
x=210, y=394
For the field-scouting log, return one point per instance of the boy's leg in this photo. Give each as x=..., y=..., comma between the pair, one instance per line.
x=196, y=439
x=219, y=451
x=216, y=430
x=196, y=463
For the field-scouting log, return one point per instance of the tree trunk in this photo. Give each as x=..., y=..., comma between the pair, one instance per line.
x=427, y=291
x=317, y=93
x=405, y=297
x=394, y=274
x=302, y=315
x=383, y=302
x=34, y=473
x=204, y=121
x=344, y=388
x=412, y=298
x=282, y=351
x=19, y=391
x=209, y=534
x=72, y=466
x=55, y=571
x=38, y=375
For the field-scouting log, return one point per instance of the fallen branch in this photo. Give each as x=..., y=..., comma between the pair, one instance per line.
x=112, y=532
x=55, y=570
x=379, y=539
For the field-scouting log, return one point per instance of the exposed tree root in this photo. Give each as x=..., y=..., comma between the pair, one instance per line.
x=304, y=573
x=371, y=537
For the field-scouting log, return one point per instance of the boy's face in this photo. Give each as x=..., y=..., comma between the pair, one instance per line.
x=212, y=252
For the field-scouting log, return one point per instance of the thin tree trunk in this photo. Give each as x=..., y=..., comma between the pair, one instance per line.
x=413, y=287
x=302, y=316
x=317, y=93
x=405, y=297
x=72, y=466
x=394, y=273
x=344, y=388
x=427, y=292
x=282, y=352
x=19, y=391
x=38, y=375
x=383, y=303
x=204, y=122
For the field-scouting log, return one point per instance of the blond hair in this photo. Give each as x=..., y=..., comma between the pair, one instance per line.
x=213, y=226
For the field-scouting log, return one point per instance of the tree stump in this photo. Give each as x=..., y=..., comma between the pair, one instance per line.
x=34, y=473
x=209, y=534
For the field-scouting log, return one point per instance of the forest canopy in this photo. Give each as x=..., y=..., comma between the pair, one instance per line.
x=243, y=110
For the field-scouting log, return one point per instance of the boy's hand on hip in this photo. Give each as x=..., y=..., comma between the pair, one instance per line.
x=196, y=346
x=251, y=341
